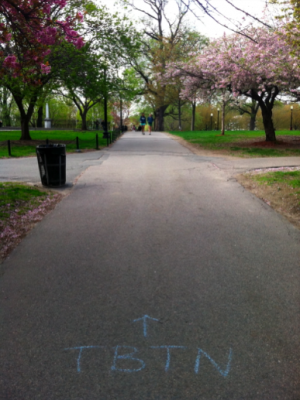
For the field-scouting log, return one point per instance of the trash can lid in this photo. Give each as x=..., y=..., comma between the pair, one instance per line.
x=50, y=146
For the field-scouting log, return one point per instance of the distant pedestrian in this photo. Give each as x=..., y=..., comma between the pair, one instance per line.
x=150, y=122
x=143, y=123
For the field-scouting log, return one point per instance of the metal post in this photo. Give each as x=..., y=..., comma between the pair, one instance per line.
x=77, y=143
x=47, y=119
x=291, y=123
x=218, y=119
x=105, y=133
x=211, y=121
x=47, y=141
x=9, y=148
x=97, y=142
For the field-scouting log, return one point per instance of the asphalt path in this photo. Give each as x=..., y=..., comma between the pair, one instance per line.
x=26, y=169
x=159, y=277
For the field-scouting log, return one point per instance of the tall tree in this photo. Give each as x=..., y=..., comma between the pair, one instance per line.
x=92, y=72
x=165, y=38
x=84, y=81
x=30, y=30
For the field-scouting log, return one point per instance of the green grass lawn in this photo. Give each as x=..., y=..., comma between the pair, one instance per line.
x=16, y=196
x=233, y=142
x=87, y=140
x=290, y=178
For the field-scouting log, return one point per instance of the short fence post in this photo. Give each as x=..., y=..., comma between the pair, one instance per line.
x=8, y=147
x=47, y=141
x=97, y=142
x=77, y=143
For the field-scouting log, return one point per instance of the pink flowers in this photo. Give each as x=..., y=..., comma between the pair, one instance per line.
x=19, y=225
x=79, y=42
x=10, y=62
x=32, y=27
x=46, y=69
x=242, y=65
x=258, y=64
x=80, y=16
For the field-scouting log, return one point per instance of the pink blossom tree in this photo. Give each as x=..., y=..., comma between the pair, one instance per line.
x=258, y=65
x=30, y=31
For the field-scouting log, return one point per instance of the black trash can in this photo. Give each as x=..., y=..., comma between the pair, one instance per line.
x=52, y=164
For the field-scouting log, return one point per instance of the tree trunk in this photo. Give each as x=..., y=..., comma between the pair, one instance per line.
x=268, y=123
x=39, y=122
x=5, y=108
x=159, y=120
x=25, y=118
x=223, y=118
x=254, y=110
x=252, y=122
x=83, y=119
x=179, y=115
x=25, y=127
x=193, y=115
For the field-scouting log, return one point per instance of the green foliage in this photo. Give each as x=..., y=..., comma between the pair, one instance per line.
x=131, y=85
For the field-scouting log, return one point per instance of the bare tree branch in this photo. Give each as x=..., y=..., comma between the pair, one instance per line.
x=209, y=9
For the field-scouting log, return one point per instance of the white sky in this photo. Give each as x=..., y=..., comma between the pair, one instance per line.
x=207, y=26
x=210, y=28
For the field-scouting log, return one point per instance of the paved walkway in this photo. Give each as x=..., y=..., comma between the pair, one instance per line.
x=26, y=169
x=158, y=277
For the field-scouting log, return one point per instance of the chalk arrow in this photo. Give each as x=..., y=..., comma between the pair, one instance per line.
x=144, y=319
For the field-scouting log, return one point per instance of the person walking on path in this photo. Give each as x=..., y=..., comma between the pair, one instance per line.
x=150, y=122
x=143, y=123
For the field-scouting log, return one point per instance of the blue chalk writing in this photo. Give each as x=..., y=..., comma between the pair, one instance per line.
x=167, y=366
x=222, y=372
x=144, y=319
x=127, y=356
x=80, y=352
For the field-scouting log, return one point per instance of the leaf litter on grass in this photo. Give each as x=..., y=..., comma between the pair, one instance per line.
x=278, y=187
x=21, y=207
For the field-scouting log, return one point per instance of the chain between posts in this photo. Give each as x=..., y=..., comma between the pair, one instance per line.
x=111, y=137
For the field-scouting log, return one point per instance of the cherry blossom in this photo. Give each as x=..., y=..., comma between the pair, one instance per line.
x=28, y=29
x=258, y=65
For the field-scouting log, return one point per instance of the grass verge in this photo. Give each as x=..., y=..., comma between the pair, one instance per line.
x=87, y=141
x=278, y=187
x=244, y=143
x=21, y=207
